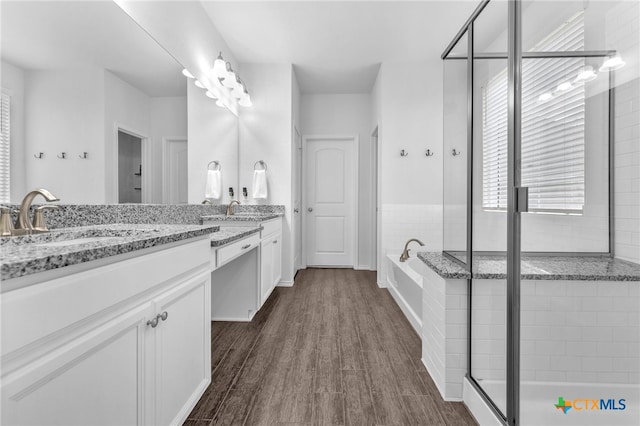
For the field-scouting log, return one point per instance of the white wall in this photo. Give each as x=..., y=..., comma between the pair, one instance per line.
x=168, y=116
x=127, y=108
x=265, y=134
x=213, y=136
x=347, y=114
x=64, y=112
x=407, y=104
x=13, y=83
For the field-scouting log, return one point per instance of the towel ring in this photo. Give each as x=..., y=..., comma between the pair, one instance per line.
x=262, y=163
x=216, y=165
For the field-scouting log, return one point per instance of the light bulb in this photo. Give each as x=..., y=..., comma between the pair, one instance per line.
x=219, y=67
x=187, y=74
x=612, y=64
x=200, y=85
x=586, y=75
x=545, y=97
x=245, y=101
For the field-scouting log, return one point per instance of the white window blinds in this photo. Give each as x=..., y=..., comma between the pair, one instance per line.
x=553, y=128
x=5, y=142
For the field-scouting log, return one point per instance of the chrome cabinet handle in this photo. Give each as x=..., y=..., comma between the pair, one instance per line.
x=163, y=316
x=245, y=247
x=153, y=322
x=296, y=210
x=275, y=241
x=310, y=209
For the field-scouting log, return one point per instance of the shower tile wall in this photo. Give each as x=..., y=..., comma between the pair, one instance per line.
x=572, y=331
x=622, y=26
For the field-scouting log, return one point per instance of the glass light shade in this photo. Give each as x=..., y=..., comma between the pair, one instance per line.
x=245, y=101
x=220, y=104
x=586, y=75
x=230, y=78
x=612, y=64
x=219, y=67
x=187, y=74
x=211, y=95
x=564, y=87
x=545, y=97
x=200, y=85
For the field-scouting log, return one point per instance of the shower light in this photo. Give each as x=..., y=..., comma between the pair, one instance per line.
x=586, y=75
x=545, y=97
x=612, y=64
x=200, y=85
x=187, y=74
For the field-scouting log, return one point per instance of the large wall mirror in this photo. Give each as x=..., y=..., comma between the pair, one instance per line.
x=98, y=109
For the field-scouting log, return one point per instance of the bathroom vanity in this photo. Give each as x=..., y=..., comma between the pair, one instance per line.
x=106, y=325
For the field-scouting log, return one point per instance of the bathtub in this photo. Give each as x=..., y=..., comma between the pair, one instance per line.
x=404, y=282
x=538, y=399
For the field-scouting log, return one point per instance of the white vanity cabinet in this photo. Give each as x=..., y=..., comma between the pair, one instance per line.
x=126, y=343
x=270, y=257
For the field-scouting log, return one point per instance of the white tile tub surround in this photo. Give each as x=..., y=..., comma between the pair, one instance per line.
x=571, y=331
x=444, y=333
x=401, y=222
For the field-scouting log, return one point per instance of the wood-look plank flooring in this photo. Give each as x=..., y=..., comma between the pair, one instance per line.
x=333, y=349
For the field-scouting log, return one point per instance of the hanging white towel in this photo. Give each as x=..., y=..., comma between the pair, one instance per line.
x=213, y=188
x=260, y=184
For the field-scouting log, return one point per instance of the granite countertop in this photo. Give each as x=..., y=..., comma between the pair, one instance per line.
x=231, y=234
x=25, y=255
x=584, y=268
x=242, y=217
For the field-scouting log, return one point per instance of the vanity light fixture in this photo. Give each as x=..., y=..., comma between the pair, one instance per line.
x=211, y=95
x=187, y=74
x=564, y=87
x=200, y=85
x=545, y=97
x=612, y=64
x=587, y=74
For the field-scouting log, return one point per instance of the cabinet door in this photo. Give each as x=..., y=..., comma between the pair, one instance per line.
x=95, y=379
x=182, y=348
x=266, y=268
x=277, y=260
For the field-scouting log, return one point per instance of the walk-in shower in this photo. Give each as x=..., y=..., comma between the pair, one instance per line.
x=542, y=205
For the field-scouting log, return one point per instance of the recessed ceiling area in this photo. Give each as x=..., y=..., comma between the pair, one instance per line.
x=337, y=46
x=39, y=35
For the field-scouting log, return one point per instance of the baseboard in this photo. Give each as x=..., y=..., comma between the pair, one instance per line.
x=285, y=284
x=434, y=381
x=362, y=268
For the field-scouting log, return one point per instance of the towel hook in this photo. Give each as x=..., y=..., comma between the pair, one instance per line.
x=455, y=153
x=39, y=156
x=428, y=153
x=84, y=155
x=62, y=155
x=404, y=153
x=216, y=165
x=262, y=163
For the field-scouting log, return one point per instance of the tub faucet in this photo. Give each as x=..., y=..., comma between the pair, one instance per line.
x=24, y=225
x=230, y=207
x=405, y=254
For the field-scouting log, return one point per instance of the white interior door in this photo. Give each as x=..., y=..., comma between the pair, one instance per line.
x=297, y=200
x=330, y=178
x=176, y=171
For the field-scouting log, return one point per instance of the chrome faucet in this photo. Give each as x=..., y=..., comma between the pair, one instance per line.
x=405, y=254
x=230, y=207
x=24, y=225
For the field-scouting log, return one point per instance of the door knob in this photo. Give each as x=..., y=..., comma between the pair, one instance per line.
x=310, y=209
x=296, y=210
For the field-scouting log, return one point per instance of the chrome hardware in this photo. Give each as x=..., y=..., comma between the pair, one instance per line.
x=38, y=218
x=428, y=153
x=84, y=155
x=23, y=225
x=6, y=225
x=163, y=316
x=310, y=209
x=454, y=152
x=230, y=206
x=245, y=246
x=39, y=156
x=404, y=153
x=153, y=322
x=296, y=210
x=275, y=241
x=405, y=253
x=62, y=155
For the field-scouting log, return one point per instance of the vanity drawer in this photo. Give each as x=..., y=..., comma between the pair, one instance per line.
x=271, y=227
x=235, y=249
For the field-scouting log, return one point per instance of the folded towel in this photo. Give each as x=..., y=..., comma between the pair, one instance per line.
x=213, y=188
x=260, y=184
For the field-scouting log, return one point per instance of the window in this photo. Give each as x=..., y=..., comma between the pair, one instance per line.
x=553, y=128
x=5, y=142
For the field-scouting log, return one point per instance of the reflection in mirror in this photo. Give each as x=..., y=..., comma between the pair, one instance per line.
x=77, y=75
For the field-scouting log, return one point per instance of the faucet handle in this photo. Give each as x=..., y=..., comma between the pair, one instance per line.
x=38, y=217
x=6, y=225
